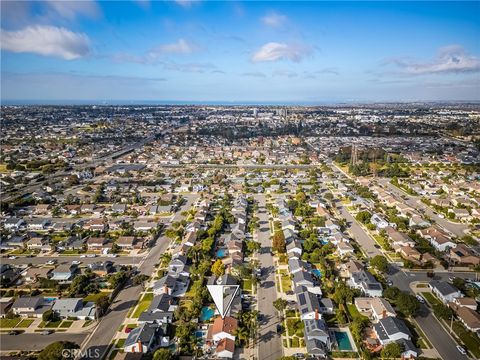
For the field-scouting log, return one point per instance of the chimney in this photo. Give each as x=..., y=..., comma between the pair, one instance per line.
x=139, y=343
x=316, y=314
x=165, y=289
x=384, y=313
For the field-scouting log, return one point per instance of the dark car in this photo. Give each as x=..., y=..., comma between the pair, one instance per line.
x=279, y=329
x=13, y=332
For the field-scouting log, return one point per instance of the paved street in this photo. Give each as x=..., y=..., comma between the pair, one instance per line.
x=455, y=228
x=36, y=342
x=108, y=326
x=360, y=236
x=269, y=342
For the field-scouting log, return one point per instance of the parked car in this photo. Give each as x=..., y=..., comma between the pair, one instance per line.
x=51, y=262
x=279, y=329
x=420, y=299
x=12, y=257
x=76, y=262
x=47, y=332
x=461, y=350
x=13, y=332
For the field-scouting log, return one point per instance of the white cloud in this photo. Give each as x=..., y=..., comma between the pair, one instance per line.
x=274, y=51
x=274, y=19
x=182, y=46
x=450, y=59
x=184, y=3
x=70, y=9
x=47, y=41
x=255, y=74
x=285, y=73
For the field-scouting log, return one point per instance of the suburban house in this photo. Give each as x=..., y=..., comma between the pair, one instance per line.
x=367, y=283
x=470, y=318
x=96, y=243
x=378, y=221
x=160, y=311
x=30, y=306
x=225, y=348
x=127, y=242
x=308, y=304
x=303, y=278
x=317, y=329
x=222, y=329
x=463, y=255
x=439, y=240
x=391, y=329
x=74, y=307
x=145, y=338
x=375, y=308
x=64, y=272
x=445, y=291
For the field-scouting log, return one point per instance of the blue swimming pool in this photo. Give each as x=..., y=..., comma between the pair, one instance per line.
x=206, y=313
x=343, y=341
x=221, y=252
x=317, y=273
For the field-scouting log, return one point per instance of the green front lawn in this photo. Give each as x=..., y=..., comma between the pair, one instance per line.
x=9, y=323
x=66, y=324
x=143, y=305
x=95, y=297
x=52, y=324
x=25, y=323
x=247, y=285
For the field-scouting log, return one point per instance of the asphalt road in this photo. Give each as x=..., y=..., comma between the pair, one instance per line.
x=109, y=324
x=35, y=342
x=360, y=236
x=456, y=229
x=269, y=341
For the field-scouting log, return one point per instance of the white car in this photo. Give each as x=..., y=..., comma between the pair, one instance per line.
x=461, y=350
x=76, y=262
x=12, y=257
x=420, y=299
x=51, y=262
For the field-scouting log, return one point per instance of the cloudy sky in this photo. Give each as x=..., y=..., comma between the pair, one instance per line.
x=240, y=51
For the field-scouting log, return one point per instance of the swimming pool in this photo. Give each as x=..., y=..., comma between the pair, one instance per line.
x=206, y=313
x=343, y=341
x=317, y=273
x=221, y=253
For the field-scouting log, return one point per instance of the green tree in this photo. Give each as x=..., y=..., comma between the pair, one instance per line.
x=162, y=354
x=102, y=303
x=280, y=304
x=380, y=263
x=391, y=351
x=55, y=351
x=407, y=304
x=217, y=268
x=253, y=246
x=364, y=217
x=49, y=315
x=391, y=293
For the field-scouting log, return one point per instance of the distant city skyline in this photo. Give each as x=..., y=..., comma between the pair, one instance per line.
x=239, y=52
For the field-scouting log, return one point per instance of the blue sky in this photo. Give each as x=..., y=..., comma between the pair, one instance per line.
x=240, y=51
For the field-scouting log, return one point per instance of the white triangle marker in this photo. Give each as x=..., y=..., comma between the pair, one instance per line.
x=223, y=296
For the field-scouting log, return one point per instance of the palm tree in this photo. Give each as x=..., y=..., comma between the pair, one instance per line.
x=242, y=334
